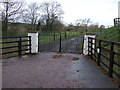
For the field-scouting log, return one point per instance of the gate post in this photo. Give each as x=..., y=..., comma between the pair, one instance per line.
x=34, y=41
x=85, y=47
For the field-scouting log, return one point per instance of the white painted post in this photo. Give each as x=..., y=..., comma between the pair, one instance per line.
x=119, y=9
x=85, y=47
x=34, y=42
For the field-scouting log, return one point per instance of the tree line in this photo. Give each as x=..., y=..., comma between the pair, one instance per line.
x=45, y=16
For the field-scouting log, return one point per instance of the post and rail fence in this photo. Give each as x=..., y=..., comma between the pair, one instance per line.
x=107, y=57
x=15, y=46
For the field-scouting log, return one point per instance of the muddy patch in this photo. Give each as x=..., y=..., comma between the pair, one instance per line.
x=75, y=58
x=57, y=56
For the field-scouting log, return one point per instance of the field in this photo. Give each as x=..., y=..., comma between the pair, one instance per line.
x=10, y=47
x=46, y=38
x=110, y=34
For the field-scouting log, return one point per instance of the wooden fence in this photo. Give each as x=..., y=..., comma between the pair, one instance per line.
x=107, y=55
x=15, y=46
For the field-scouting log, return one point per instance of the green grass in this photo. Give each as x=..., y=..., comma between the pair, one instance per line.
x=46, y=38
x=12, y=49
x=113, y=35
x=110, y=34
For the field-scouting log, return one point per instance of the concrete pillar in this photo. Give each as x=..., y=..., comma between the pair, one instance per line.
x=85, y=47
x=119, y=9
x=34, y=42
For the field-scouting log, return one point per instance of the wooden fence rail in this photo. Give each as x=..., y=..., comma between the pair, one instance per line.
x=15, y=46
x=107, y=57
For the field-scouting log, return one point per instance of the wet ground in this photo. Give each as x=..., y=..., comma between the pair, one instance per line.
x=71, y=45
x=53, y=70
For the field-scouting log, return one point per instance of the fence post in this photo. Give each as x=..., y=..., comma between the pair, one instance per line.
x=99, y=52
x=88, y=46
x=91, y=47
x=30, y=43
x=111, y=59
x=60, y=44
x=20, y=47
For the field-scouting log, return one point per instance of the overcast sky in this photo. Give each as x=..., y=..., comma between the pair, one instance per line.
x=101, y=11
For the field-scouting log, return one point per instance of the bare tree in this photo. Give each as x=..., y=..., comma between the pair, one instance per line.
x=78, y=22
x=102, y=27
x=10, y=10
x=31, y=14
x=53, y=12
x=83, y=22
x=94, y=26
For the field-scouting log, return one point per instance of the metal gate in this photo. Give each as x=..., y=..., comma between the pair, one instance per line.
x=66, y=42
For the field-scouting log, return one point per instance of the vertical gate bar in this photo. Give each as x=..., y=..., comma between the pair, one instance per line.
x=99, y=52
x=60, y=44
x=111, y=60
x=20, y=47
x=54, y=37
x=65, y=34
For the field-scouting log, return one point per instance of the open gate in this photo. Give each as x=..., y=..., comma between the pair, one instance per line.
x=66, y=42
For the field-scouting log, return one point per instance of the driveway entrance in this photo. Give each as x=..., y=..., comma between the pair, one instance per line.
x=53, y=70
x=54, y=42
